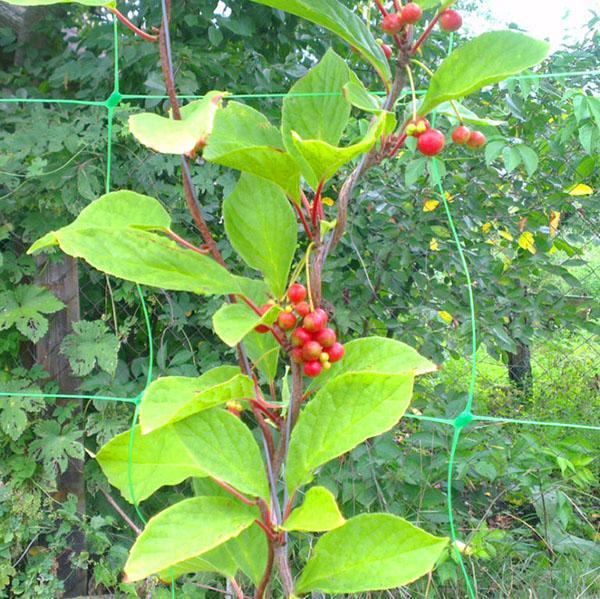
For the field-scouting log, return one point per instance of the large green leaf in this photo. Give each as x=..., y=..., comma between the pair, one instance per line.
x=173, y=398
x=486, y=59
x=243, y=139
x=318, y=513
x=370, y=552
x=378, y=354
x=324, y=159
x=184, y=531
x=339, y=19
x=358, y=95
x=315, y=107
x=217, y=560
x=232, y=322
x=211, y=443
x=262, y=228
x=119, y=234
x=345, y=412
x=184, y=136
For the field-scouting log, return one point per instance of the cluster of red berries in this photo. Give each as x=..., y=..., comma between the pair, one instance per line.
x=431, y=141
x=411, y=13
x=313, y=343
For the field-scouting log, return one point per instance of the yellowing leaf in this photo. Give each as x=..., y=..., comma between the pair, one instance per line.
x=486, y=227
x=506, y=235
x=328, y=201
x=448, y=197
x=430, y=205
x=445, y=316
x=434, y=246
x=554, y=222
x=526, y=242
x=580, y=189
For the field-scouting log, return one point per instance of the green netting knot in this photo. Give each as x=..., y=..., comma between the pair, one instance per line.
x=463, y=420
x=137, y=400
x=113, y=100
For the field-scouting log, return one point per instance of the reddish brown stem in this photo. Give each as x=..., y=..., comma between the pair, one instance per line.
x=288, y=507
x=268, y=532
x=316, y=202
x=260, y=590
x=275, y=418
x=235, y=493
x=381, y=8
x=305, y=225
x=186, y=244
x=305, y=203
x=252, y=305
x=398, y=145
x=236, y=588
x=425, y=34
x=145, y=36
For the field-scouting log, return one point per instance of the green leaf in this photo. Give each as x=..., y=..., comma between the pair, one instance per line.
x=113, y=234
x=313, y=115
x=24, y=308
x=318, y=513
x=345, y=412
x=467, y=116
x=184, y=136
x=529, y=157
x=324, y=160
x=339, y=19
x=512, y=158
x=358, y=95
x=370, y=552
x=264, y=351
x=232, y=322
x=261, y=226
x=14, y=409
x=378, y=354
x=427, y=4
x=184, y=531
x=486, y=59
x=217, y=560
x=211, y=443
x=172, y=398
x=91, y=344
x=243, y=139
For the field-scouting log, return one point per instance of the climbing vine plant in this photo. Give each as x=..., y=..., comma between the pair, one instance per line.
x=253, y=434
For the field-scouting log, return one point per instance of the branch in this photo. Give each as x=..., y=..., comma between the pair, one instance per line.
x=145, y=36
x=136, y=529
x=236, y=494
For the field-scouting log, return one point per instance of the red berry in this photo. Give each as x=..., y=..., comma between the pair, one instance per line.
x=261, y=328
x=313, y=368
x=450, y=20
x=336, y=352
x=391, y=23
x=296, y=355
x=460, y=135
x=300, y=336
x=476, y=139
x=286, y=320
x=315, y=321
x=386, y=50
x=431, y=142
x=411, y=13
x=326, y=337
x=296, y=293
x=302, y=309
x=311, y=351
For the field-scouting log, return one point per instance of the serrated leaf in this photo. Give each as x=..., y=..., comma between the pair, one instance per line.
x=339, y=19
x=345, y=412
x=91, y=344
x=324, y=160
x=172, y=398
x=25, y=308
x=370, y=552
x=211, y=443
x=243, y=139
x=119, y=234
x=318, y=513
x=14, y=409
x=261, y=226
x=484, y=60
x=232, y=322
x=184, y=531
x=184, y=136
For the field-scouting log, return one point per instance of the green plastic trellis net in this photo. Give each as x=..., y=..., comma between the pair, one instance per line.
x=461, y=421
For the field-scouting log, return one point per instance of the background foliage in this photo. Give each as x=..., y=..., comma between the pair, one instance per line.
x=524, y=498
